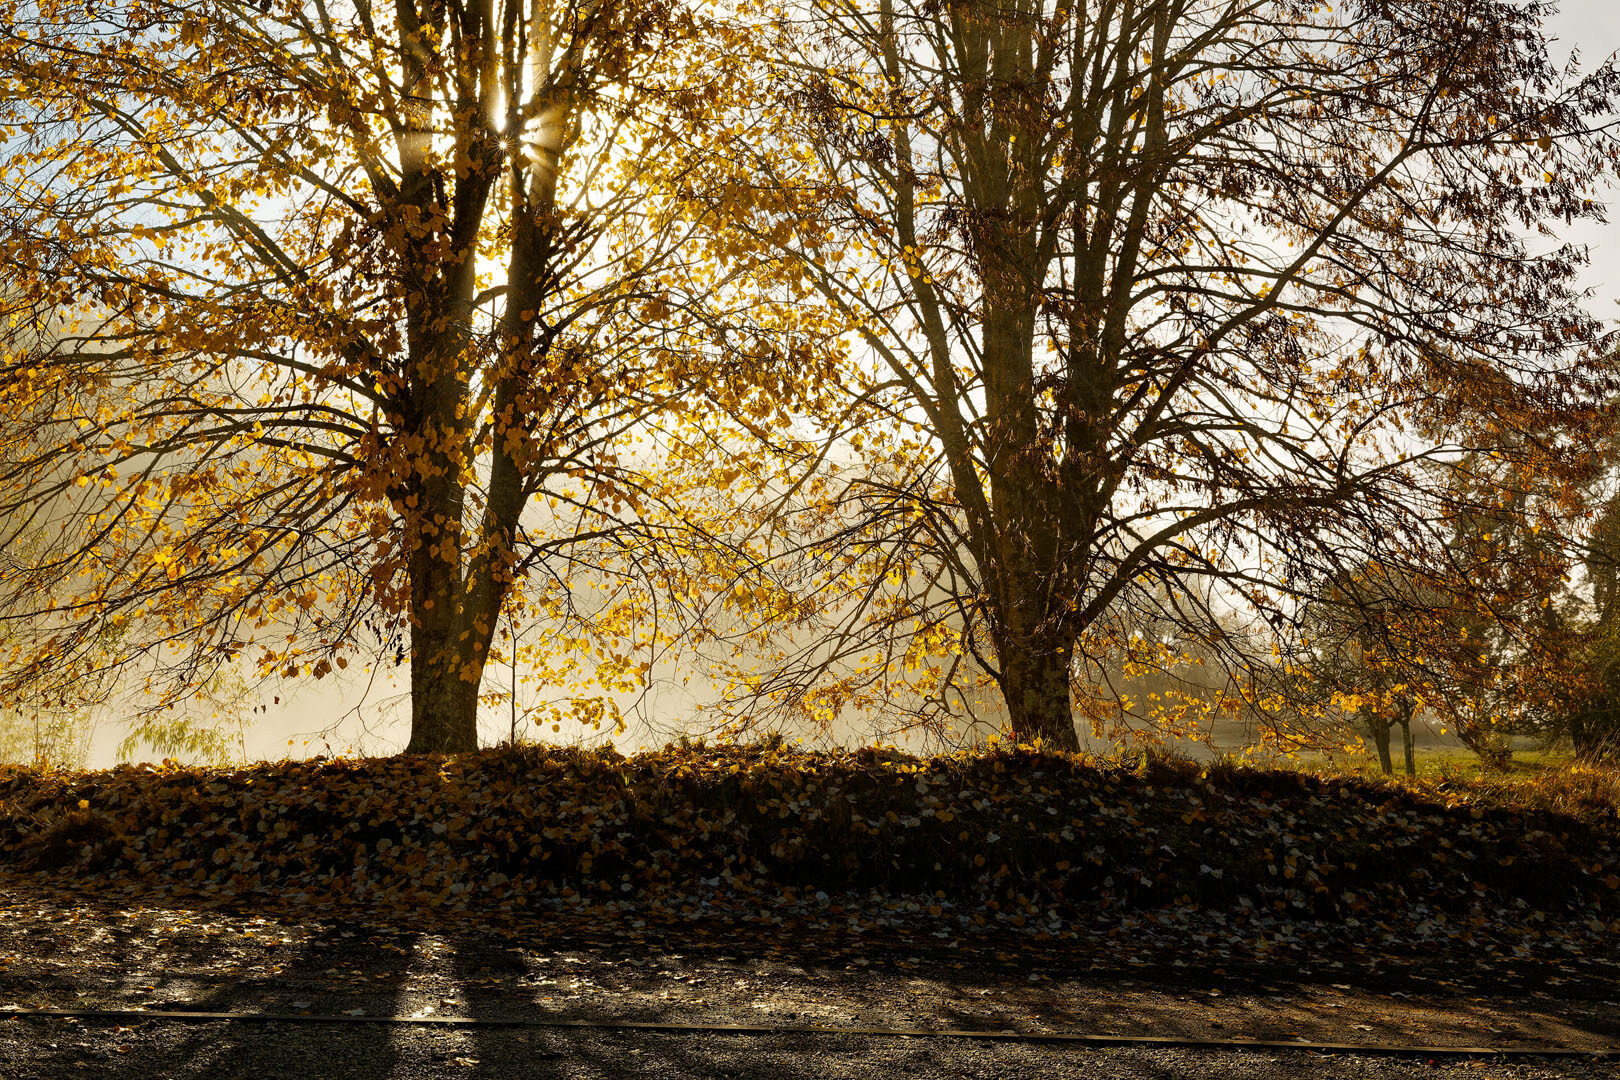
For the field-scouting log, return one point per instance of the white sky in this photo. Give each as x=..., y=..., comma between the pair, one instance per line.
x=1593, y=28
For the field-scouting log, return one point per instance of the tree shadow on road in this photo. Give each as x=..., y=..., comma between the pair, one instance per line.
x=336, y=971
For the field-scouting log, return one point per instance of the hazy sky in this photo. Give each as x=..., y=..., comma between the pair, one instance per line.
x=1591, y=26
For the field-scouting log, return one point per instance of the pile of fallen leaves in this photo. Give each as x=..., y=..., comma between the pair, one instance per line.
x=1012, y=836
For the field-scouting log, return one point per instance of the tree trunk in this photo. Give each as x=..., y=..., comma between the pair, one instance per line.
x=445, y=675
x=1035, y=683
x=1380, y=734
x=445, y=668
x=1493, y=751
x=449, y=648
x=1406, y=742
x=444, y=708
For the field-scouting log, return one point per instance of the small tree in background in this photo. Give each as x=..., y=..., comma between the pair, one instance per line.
x=1365, y=656
x=1589, y=713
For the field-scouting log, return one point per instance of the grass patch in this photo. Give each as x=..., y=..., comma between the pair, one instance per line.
x=1542, y=780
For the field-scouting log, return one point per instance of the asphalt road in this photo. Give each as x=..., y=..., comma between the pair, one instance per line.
x=35, y=1048
x=87, y=953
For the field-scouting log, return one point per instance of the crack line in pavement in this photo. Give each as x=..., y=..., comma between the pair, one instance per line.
x=1008, y=1034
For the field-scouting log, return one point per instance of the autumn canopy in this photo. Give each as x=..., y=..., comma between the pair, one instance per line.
x=887, y=357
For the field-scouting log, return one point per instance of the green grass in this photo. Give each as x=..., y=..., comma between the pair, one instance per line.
x=1448, y=763
x=1535, y=779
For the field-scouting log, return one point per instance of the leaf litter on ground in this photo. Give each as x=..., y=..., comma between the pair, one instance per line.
x=1011, y=851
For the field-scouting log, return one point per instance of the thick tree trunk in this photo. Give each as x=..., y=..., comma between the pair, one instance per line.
x=444, y=707
x=445, y=672
x=450, y=635
x=1035, y=683
x=445, y=668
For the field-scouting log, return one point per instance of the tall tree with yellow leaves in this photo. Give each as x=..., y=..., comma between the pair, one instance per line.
x=330, y=322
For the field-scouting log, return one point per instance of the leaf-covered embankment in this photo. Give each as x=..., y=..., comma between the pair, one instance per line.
x=1015, y=836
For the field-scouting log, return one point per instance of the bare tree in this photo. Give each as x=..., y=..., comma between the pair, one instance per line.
x=1159, y=292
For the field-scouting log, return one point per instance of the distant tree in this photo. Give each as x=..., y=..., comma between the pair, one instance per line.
x=45, y=739
x=1588, y=713
x=33, y=731
x=1155, y=293
x=1503, y=655
x=1365, y=640
x=1472, y=640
